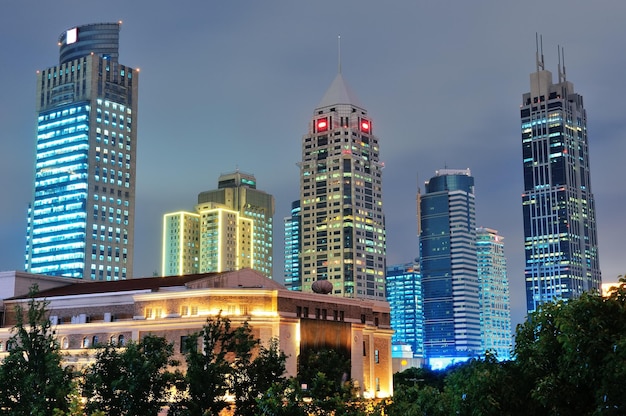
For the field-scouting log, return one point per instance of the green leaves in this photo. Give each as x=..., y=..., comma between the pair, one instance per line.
x=32, y=378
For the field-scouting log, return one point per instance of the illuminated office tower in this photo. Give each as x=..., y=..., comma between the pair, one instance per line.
x=343, y=226
x=448, y=265
x=404, y=294
x=81, y=219
x=293, y=229
x=181, y=243
x=231, y=229
x=495, y=301
x=560, y=235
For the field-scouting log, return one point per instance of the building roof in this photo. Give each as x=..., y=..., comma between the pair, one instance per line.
x=245, y=278
x=339, y=93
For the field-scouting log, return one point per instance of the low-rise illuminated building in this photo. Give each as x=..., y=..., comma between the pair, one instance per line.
x=91, y=313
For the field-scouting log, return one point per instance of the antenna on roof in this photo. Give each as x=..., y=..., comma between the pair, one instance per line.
x=539, y=46
x=339, y=53
x=561, y=52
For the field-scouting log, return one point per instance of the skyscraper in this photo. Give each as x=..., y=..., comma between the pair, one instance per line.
x=449, y=268
x=81, y=219
x=293, y=230
x=231, y=229
x=495, y=302
x=404, y=294
x=343, y=225
x=560, y=235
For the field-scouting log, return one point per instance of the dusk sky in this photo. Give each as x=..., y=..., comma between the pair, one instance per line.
x=233, y=85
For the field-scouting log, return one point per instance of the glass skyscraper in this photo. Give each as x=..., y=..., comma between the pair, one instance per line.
x=448, y=265
x=81, y=219
x=293, y=230
x=560, y=235
x=495, y=302
x=343, y=225
x=404, y=294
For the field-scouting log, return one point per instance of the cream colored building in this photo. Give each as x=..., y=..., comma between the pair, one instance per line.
x=89, y=313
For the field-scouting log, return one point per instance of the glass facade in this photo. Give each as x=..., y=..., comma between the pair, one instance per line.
x=404, y=294
x=80, y=222
x=495, y=312
x=560, y=234
x=449, y=270
x=293, y=229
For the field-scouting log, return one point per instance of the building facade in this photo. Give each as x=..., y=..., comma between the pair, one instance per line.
x=494, y=295
x=293, y=263
x=560, y=233
x=448, y=265
x=343, y=224
x=404, y=294
x=231, y=229
x=81, y=220
x=91, y=313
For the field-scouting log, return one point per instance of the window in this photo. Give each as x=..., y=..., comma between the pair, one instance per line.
x=121, y=341
x=94, y=340
x=85, y=343
x=376, y=357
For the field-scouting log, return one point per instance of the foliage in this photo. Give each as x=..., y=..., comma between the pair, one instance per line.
x=321, y=388
x=573, y=354
x=32, y=378
x=224, y=365
x=132, y=380
x=254, y=377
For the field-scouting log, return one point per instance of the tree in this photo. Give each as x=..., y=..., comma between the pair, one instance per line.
x=252, y=378
x=32, y=378
x=572, y=354
x=322, y=387
x=133, y=380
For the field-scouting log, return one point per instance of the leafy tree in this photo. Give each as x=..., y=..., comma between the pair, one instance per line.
x=322, y=387
x=133, y=380
x=32, y=378
x=573, y=354
x=255, y=377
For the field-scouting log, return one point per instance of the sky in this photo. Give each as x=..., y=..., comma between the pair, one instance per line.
x=233, y=85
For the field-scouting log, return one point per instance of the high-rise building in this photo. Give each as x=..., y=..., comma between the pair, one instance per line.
x=495, y=302
x=560, y=235
x=449, y=269
x=404, y=294
x=231, y=229
x=293, y=229
x=81, y=219
x=343, y=225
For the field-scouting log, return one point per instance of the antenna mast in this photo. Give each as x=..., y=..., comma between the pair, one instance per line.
x=339, y=53
x=539, y=48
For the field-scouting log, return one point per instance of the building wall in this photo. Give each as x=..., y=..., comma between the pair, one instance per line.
x=178, y=311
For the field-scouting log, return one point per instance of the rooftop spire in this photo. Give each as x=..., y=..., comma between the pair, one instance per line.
x=339, y=53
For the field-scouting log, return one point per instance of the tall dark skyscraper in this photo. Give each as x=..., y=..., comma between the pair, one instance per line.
x=343, y=225
x=560, y=236
x=452, y=330
x=81, y=220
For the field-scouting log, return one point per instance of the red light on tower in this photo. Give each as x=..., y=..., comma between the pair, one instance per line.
x=321, y=124
x=365, y=125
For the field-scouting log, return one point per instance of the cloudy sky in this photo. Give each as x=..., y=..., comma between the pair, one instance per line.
x=227, y=85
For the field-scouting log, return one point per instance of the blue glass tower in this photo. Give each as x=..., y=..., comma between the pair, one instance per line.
x=81, y=220
x=560, y=233
x=449, y=269
x=293, y=229
x=495, y=301
x=404, y=294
